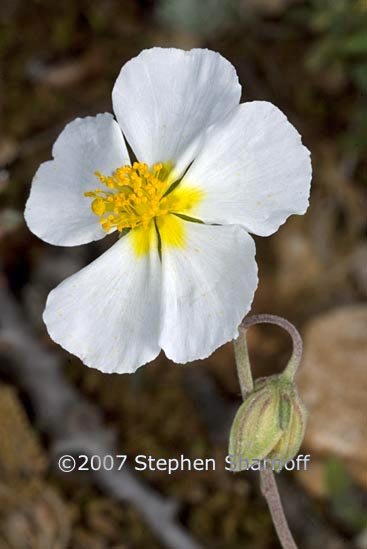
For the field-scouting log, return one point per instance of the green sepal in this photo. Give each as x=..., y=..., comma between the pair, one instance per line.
x=256, y=430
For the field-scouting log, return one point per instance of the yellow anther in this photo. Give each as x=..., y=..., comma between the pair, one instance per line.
x=135, y=195
x=132, y=194
x=98, y=206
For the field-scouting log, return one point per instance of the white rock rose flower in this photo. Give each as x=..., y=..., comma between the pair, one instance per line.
x=208, y=172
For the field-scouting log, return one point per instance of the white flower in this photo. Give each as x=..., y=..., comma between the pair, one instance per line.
x=169, y=282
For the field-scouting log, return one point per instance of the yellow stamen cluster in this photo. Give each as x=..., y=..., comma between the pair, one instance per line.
x=132, y=197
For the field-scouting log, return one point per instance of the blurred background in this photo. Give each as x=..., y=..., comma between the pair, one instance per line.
x=59, y=61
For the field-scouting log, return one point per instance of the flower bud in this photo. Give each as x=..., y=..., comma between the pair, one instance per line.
x=269, y=424
x=256, y=429
x=293, y=432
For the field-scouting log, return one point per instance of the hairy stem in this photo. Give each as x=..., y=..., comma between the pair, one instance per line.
x=268, y=484
x=270, y=492
x=294, y=361
x=243, y=363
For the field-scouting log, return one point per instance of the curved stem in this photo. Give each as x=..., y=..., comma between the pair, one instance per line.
x=268, y=484
x=294, y=361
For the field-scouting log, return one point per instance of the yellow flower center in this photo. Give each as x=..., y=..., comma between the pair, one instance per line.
x=134, y=196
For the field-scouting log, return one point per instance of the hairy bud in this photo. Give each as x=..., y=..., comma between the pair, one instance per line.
x=270, y=423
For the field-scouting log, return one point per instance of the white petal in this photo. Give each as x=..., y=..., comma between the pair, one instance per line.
x=108, y=313
x=57, y=210
x=164, y=100
x=253, y=169
x=208, y=288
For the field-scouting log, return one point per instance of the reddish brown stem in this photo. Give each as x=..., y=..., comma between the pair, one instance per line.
x=268, y=484
x=295, y=359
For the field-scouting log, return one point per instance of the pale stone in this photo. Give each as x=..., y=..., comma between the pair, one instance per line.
x=333, y=383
